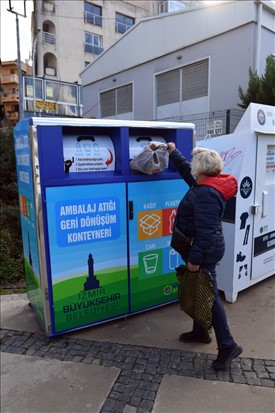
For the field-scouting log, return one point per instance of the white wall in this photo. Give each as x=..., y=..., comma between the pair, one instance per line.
x=225, y=34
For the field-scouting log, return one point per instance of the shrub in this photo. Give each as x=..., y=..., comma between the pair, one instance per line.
x=11, y=263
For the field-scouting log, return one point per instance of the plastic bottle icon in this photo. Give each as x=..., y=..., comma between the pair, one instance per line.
x=172, y=220
x=96, y=147
x=173, y=259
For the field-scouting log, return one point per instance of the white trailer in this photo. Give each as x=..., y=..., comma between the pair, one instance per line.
x=249, y=220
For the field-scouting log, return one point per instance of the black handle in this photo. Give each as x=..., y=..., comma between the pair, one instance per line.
x=86, y=138
x=144, y=138
x=131, y=210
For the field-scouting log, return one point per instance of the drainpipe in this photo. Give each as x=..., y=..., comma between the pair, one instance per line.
x=259, y=6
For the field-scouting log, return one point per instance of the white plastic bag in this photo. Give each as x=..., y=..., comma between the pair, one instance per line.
x=153, y=159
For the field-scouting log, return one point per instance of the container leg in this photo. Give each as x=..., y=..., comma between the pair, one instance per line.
x=231, y=297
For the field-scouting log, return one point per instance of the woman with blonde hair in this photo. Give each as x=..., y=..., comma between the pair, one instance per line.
x=199, y=217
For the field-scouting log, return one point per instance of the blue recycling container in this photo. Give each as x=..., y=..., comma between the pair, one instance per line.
x=96, y=234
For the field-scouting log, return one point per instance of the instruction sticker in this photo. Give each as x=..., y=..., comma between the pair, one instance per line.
x=88, y=153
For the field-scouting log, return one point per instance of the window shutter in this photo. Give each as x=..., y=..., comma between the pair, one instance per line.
x=108, y=103
x=168, y=88
x=124, y=99
x=195, y=80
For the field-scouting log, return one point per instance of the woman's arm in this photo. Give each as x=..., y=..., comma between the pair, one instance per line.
x=181, y=164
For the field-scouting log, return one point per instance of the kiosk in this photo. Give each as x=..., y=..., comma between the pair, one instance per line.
x=249, y=220
x=96, y=236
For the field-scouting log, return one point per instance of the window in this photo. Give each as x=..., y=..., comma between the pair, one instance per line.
x=48, y=38
x=93, y=43
x=195, y=80
x=123, y=23
x=28, y=88
x=50, y=64
x=61, y=97
x=124, y=99
x=168, y=88
x=92, y=14
x=108, y=103
x=48, y=6
x=61, y=92
x=48, y=32
x=186, y=83
x=116, y=101
x=170, y=6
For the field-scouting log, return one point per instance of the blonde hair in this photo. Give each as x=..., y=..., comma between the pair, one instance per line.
x=206, y=161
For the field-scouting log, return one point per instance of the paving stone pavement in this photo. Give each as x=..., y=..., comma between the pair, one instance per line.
x=141, y=368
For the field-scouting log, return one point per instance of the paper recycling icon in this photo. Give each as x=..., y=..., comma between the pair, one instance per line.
x=150, y=223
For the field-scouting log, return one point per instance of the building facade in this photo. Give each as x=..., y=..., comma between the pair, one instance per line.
x=70, y=34
x=181, y=64
x=9, y=93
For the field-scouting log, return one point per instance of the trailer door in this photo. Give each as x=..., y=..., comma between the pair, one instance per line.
x=263, y=261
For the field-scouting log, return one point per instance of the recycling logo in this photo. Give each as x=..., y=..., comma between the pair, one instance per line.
x=261, y=117
x=246, y=187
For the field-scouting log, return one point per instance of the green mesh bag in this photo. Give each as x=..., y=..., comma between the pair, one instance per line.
x=196, y=295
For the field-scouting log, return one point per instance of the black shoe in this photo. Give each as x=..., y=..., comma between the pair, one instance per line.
x=193, y=337
x=225, y=356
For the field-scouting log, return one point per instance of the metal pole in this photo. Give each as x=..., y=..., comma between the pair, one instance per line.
x=33, y=74
x=20, y=77
x=227, y=131
x=258, y=37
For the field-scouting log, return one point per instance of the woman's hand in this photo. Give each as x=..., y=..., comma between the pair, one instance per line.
x=193, y=268
x=171, y=147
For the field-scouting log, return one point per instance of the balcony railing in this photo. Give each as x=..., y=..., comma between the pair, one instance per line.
x=92, y=48
x=9, y=79
x=13, y=116
x=12, y=97
x=92, y=18
x=51, y=71
x=122, y=27
x=48, y=38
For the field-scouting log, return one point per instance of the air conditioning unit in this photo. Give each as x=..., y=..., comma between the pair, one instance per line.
x=50, y=71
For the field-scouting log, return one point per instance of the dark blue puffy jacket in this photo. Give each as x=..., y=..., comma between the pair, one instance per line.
x=200, y=212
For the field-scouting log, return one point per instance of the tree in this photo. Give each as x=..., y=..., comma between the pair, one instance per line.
x=260, y=89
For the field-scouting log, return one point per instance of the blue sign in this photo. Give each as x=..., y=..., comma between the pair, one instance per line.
x=87, y=220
